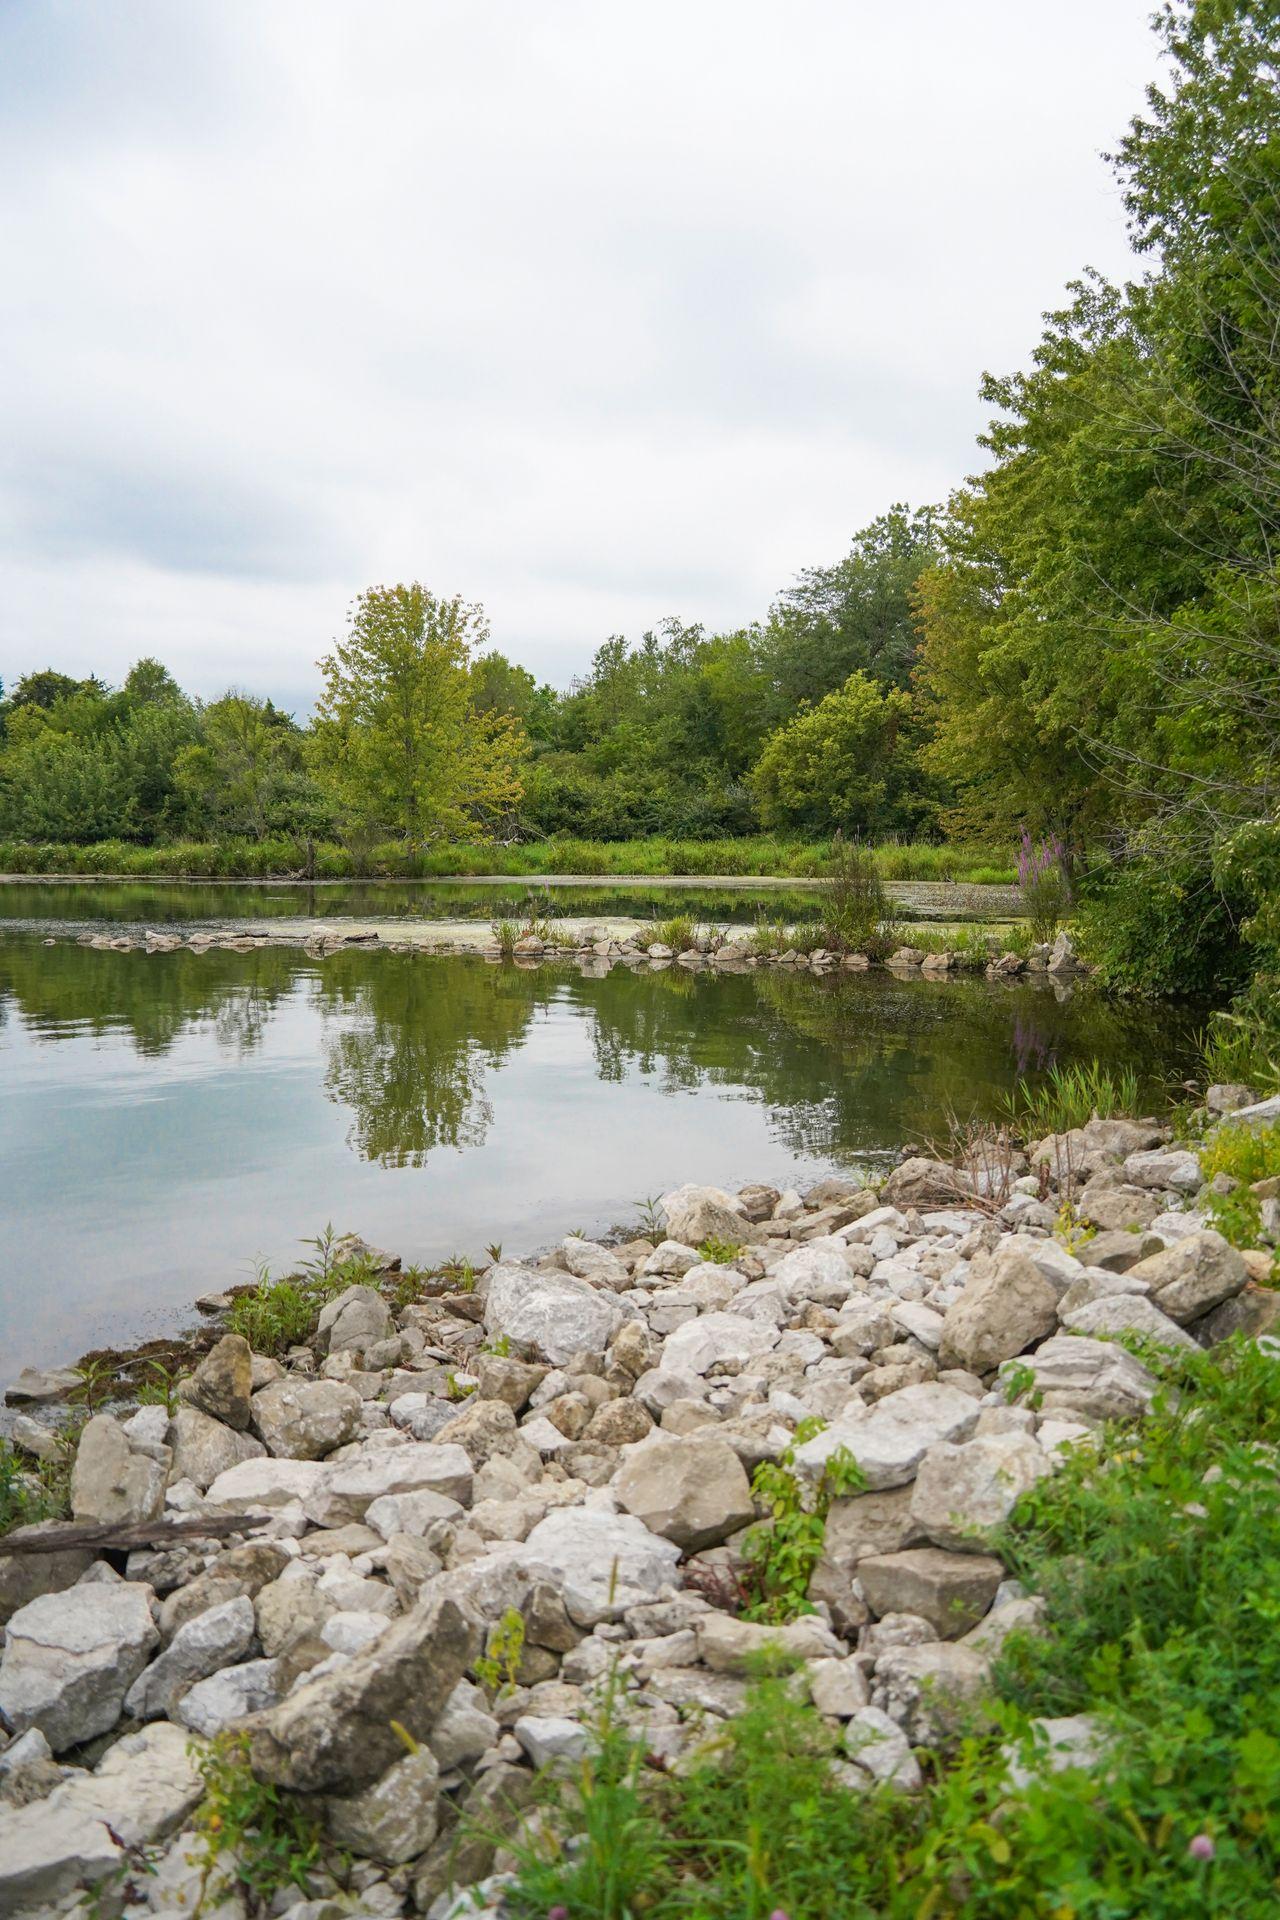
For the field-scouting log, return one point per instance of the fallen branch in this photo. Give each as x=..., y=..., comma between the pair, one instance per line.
x=149, y=1533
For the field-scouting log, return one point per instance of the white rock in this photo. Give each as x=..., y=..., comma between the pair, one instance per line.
x=265, y=1483
x=837, y=1688
x=589, y=1261
x=1178, y=1170
x=878, y=1745
x=1092, y=1377
x=347, y=1490
x=965, y=1490
x=716, y=1337
x=817, y=1272
x=393, y=1820
x=693, y=1490
x=548, y=1737
x=889, y=1439
x=70, y=1658
x=601, y=1563
x=553, y=1313
x=228, y=1696
x=670, y=1257
x=1128, y=1313
x=212, y=1640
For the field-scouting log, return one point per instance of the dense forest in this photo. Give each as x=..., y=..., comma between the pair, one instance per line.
x=1081, y=644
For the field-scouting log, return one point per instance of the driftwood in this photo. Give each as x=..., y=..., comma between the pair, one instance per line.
x=108, y=1539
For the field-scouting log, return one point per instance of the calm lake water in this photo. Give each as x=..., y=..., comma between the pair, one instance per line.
x=168, y=1120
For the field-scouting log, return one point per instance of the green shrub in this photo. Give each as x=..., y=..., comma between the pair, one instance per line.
x=782, y=1552
x=1244, y=1154
x=1161, y=926
x=1070, y=1097
x=256, y=1838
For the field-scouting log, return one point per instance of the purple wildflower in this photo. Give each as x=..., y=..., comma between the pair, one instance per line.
x=1201, y=1847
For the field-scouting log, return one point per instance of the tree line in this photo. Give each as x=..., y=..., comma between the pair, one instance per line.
x=423, y=731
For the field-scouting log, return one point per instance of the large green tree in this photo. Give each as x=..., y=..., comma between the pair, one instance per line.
x=398, y=742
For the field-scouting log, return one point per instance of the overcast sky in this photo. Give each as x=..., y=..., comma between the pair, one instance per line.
x=590, y=310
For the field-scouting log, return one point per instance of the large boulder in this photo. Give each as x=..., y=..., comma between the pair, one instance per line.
x=214, y=1639
x=694, y=1214
x=356, y=1319
x=1094, y=1378
x=600, y=1563
x=889, y=1439
x=692, y=1491
x=961, y=1492
x=222, y=1383
x=264, y=1482
x=1006, y=1306
x=347, y=1490
x=715, y=1338
x=110, y=1483
x=70, y=1658
x=1099, y=1143
x=140, y=1791
x=203, y=1447
x=924, y=1183
x=1193, y=1276
x=951, y=1591
x=337, y=1732
x=554, y=1314
x=1177, y=1170
x=306, y=1419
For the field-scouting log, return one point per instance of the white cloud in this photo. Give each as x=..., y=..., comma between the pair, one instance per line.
x=591, y=313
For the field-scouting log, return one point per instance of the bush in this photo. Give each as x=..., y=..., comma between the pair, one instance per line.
x=1244, y=1154
x=1161, y=926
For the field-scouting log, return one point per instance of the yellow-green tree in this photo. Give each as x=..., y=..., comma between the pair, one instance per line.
x=842, y=764
x=398, y=740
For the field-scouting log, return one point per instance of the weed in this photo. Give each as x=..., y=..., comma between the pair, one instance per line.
x=498, y=1665
x=781, y=1553
x=1073, y=1232
x=1245, y=1155
x=720, y=1253
x=855, y=906
x=678, y=933
x=258, y=1837
x=278, y=1314
x=1070, y=1097
x=505, y=934
x=499, y=1347
x=96, y=1380
x=160, y=1390
x=36, y=1489
x=494, y=1251
x=651, y=1219
x=456, y=1389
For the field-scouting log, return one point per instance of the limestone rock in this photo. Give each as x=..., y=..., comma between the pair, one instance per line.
x=140, y=1791
x=228, y=1696
x=878, y=1745
x=1178, y=1170
x=346, y=1491
x=694, y=1214
x=929, y=1691
x=110, y=1483
x=890, y=1439
x=601, y=1563
x=335, y=1731
x=837, y=1687
x=222, y=1383
x=547, y=1738
x=395, y=1819
x=961, y=1492
x=355, y=1320
x=1007, y=1304
x=951, y=1591
x=70, y=1658
x=1093, y=1378
x=692, y=1491
x=1131, y=1313
x=1193, y=1276
x=732, y=1646
x=264, y=1482
x=553, y=1314
x=203, y=1447
x=215, y=1639
x=587, y=1260
x=924, y=1183
x=306, y=1419
x=714, y=1338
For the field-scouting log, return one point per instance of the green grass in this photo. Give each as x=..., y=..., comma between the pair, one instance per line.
x=33, y=1490
x=1157, y=1552
x=679, y=933
x=1070, y=1096
x=284, y=857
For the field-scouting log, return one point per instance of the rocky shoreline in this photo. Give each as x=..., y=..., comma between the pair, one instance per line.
x=594, y=949
x=402, y=1557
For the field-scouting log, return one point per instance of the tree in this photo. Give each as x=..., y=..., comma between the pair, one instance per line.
x=397, y=740
x=839, y=765
x=855, y=616
x=246, y=775
x=499, y=686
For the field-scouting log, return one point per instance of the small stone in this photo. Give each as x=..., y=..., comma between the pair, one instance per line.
x=879, y=1746
x=213, y=1640
x=227, y=1696
x=692, y=1491
x=551, y=1737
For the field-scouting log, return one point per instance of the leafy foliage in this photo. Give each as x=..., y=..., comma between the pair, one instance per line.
x=256, y=1838
x=782, y=1552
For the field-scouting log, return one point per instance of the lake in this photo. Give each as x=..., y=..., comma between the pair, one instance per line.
x=170, y=1120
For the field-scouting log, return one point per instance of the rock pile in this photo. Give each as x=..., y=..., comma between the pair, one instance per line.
x=551, y=1476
